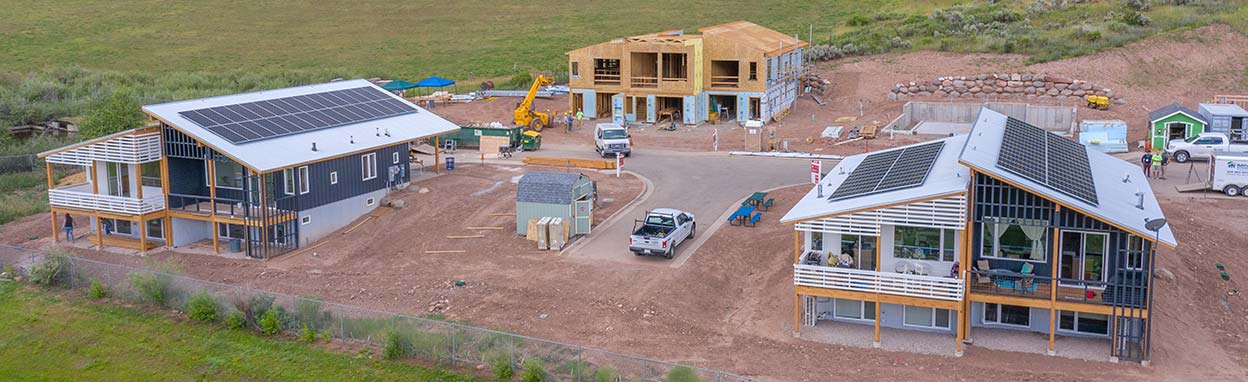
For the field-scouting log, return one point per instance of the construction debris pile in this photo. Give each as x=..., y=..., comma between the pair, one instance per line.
x=818, y=87
x=995, y=86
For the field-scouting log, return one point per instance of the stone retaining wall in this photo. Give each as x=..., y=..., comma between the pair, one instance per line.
x=997, y=86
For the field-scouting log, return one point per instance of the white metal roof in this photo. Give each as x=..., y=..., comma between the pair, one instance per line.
x=285, y=151
x=1224, y=109
x=1116, y=199
x=946, y=177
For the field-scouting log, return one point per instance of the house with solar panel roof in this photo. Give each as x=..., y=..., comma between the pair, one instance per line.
x=980, y=239
x=259, y=173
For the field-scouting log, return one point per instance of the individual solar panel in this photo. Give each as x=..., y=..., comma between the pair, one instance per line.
x=1045, y=158
x=889, y=171
x=253, y=121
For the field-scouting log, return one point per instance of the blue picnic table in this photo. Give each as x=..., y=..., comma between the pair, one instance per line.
x=756, y=198
x=741, y=215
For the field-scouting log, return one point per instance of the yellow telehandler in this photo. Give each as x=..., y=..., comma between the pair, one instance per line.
x=525, y=116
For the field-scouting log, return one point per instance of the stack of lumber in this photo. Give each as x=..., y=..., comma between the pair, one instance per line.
x=597, y=164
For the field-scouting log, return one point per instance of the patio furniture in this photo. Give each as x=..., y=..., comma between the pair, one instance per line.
x=980, y=278
x=768, y=203
x=754, y=219
x=921, y=269
x=740, y=216
x=902, y=267
x=755, y=199
x=845, y=260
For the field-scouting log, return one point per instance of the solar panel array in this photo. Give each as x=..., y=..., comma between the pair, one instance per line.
x=890, y=170
x=253, y=121
x=1045, y=158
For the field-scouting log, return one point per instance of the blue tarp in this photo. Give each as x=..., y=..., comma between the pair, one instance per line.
x=434, y=82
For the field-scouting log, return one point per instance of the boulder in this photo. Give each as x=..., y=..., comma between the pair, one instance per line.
x=954, y=94
x=976, y=89
x=959, y=83
x=967, y=95
x=1164, y=274
x=1061, y=86
x=960, y=89
x=1014, y=83
x=981, y=77
x=940, y=93
x=912, y=89
x=1029, y=90
x=1016, y=77
x=990, y=89
x=1067, y=92
x=1053, y=92
x=924, y=93
x=397, y=203
x=892, y=96
x=1026, y=77
x=1056, y=79
x=1038, y=84
x=1000, y=83
x=1079, y=93
x=946, y=83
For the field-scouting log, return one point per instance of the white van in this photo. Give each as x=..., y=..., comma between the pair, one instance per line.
x=1229, y=173
x=610, y=138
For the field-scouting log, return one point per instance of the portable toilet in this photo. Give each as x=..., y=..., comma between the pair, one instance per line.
x=569, y=196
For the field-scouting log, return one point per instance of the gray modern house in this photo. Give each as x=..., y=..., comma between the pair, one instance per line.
x=1008, y=228
x=262, y=173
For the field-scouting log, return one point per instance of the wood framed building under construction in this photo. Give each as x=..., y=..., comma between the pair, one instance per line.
x=261, y=173
x=735, y=71
x=1009, y=228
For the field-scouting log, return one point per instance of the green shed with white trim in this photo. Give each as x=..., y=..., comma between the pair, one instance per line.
x=1174, y=122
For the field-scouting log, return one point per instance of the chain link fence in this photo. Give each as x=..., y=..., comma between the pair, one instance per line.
x=440, y=342
x=19, y=163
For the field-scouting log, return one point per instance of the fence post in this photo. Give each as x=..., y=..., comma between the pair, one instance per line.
x=453, y=346
x=512, y=353
x=580, y=364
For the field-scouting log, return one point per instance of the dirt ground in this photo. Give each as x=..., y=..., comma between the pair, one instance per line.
x=730, y=306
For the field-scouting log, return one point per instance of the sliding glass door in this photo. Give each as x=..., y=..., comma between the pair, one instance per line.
x=1083, y=256
x=118, y=179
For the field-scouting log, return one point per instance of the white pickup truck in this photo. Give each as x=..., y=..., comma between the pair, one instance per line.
x=661, y=231
x=1202, y=147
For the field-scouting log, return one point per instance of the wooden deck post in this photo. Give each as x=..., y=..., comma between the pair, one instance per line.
x=142, y=235
x=797, y=314
x=797, y=247
x=212, y=204
x=1057, y=238
x=164, y=188
x=877, y=300
x=95, y=189
x=437, y=156
x=957, y=351
x=968, y=235
x=55, y=230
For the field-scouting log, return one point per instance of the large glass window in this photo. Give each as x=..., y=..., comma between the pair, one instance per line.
x=853, y=309
x=1083, y=256
x=921, y=243
x=1087, y=323
x=816, y=241
x=926, y=317
x=304, y=179
x=1007, y=314
x=1014, y=239
x=230, y=231
x=861, y=249
x=156, y=228
x=227, y=174
x=288, y=178
x=368, y=162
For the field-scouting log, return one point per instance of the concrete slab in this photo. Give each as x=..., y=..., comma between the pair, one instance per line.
x=943, y=129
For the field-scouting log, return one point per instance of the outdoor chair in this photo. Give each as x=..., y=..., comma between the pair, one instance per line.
x=1028, y=283
x=902, y=267
x=768, y=203
x=980, y=278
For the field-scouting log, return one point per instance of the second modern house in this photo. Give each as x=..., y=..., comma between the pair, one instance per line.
x=734, y=71
x=1008, y=229
x=261, y=173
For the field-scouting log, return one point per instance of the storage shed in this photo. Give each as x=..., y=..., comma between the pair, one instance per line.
x=555, y=194
x=1174, y=122
x=1229, y=119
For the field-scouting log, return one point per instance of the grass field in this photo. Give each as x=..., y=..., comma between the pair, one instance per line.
x=57, y=335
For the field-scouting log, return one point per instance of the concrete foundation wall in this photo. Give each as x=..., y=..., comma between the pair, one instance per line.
x=187, y=231
x=334, y=216
x=1061, y=119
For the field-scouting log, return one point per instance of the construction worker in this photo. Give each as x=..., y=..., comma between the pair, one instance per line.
x=1156, y=165
x=568, y=116
x=68, y=227
x=580, y=116
x=1165, y=161
x=1146, y=162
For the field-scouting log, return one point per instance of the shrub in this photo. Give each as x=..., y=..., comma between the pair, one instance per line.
x=397, y=345
x=202, y=307
x=235, y=320
x=54, y=270
x=8, y=269
x=152, y=286
x=681, y=374
x=500, y=363
x=310, y=314
x=604, y=374
x=534, y=371
x=269, y=323
x=858, y=20
x=97, y=290
x=116, y=112
x=519, y=81
x=307, y=334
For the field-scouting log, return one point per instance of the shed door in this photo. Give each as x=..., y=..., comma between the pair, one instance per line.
x=583, y=211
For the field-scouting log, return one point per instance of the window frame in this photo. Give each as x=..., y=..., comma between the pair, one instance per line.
x=1075, y=324
x=288, y=181
x=952, y=254
x=999, y=311
x=160, y=232
x=575, y=71
x=216, y=173
x=984, y=252
x=333, y=177
x=223, y=231
x=368, y=166
x=305, y=182
x=753, y=70
x=905, y=313
x=305, y=220
x=395, y=155
x=1134, y=260
x=862, y=306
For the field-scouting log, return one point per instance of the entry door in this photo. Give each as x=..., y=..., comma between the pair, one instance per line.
x=583, y=211
x=118, y=179
x=1177, y=130
x=1083, y=257
x=617, y=109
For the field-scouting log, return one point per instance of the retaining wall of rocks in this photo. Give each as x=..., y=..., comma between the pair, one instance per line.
x=997, y=86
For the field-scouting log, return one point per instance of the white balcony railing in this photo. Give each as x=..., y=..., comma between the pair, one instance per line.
x=816, y=276
x=106, y=203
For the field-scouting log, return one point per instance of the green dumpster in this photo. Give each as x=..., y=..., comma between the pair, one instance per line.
x=531, y=141
x=470, y=136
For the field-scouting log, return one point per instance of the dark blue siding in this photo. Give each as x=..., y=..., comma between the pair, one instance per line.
x=351, y=181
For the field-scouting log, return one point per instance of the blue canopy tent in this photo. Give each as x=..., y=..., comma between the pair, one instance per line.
x=434, y=82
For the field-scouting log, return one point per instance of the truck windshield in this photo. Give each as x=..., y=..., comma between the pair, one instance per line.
x=614, y=134
x=660, y=220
